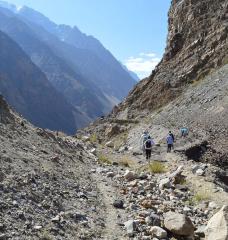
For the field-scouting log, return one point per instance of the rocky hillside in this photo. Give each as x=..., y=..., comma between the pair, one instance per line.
x=196, y=46
x=45, y=186
x=189, y=86
x=58, y=187
x=27, y=89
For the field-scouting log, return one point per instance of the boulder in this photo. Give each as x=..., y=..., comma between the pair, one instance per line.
x=178, y=224
x=158, y=232
x=217, y=227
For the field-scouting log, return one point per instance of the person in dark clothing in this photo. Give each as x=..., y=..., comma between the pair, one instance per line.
x=148, y=147
x=171, y=134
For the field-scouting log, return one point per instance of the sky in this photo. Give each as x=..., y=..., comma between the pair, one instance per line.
x=134, y=31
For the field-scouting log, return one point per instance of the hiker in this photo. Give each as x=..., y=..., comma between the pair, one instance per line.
x=148, y=147
x=143, y=139
x=184, y=132
x=170, y=141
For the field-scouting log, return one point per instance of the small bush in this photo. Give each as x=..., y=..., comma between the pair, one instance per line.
x=201, y=195
x=126, y=162
x=156, y=167
x=103, y=159
x=45, y=236
x=93, y=138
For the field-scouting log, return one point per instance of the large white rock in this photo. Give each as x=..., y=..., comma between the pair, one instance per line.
x=217, y=227
x=178, y=224
x=158, y=232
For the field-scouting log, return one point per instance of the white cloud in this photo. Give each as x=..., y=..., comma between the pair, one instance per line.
x=142, y=64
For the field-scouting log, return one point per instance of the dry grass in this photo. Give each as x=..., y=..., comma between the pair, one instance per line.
x=156, y=167
x=202, y=195
x=127, y=162
x=104, y=159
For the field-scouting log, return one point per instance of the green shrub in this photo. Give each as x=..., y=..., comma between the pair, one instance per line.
x=93, y=138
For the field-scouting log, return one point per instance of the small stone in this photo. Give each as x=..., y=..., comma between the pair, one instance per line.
x=200, y=172
x=212, y=205
x=56, y=219
x=93, y=151
x=130, y=175
x=118, y=204
x=38, y=227
x=15, y=203
x=109, y=144
x=158, y=232
x=130, y=227
x=165, y=183
x=110, y=174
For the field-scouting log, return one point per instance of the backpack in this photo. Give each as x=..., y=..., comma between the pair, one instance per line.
x=148, y=144
x=145, y=137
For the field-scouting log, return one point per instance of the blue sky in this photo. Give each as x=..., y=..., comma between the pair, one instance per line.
x=133, y=30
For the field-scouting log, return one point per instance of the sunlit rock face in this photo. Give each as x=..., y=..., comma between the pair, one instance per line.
x=196, y=45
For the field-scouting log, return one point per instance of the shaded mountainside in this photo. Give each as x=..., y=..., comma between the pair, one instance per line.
x=196, y=45
x=76, y=64
x=97, y=65
x=77, y=90
x=27, y=89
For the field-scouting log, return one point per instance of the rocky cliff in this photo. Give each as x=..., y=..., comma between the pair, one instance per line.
x=196, y=45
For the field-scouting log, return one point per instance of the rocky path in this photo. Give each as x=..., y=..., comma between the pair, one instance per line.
x=112, y=230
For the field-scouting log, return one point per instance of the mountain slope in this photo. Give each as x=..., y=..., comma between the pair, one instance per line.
x=26, y=88
x=98, y=65
x=77, y=90
x=196, y=44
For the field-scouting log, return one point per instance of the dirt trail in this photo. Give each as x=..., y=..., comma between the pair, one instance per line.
x=113, y=216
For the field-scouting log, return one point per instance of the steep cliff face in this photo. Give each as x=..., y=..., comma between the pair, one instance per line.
x=196, y=45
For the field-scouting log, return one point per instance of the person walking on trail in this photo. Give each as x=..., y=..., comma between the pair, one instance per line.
x=148, y=147
x=143, y=139
x=170, y=140
x=184, y=132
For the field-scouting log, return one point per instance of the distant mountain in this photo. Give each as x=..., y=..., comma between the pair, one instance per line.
x=85, y=54
x=26, y=88
x=102, y=68
x=81, y=93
